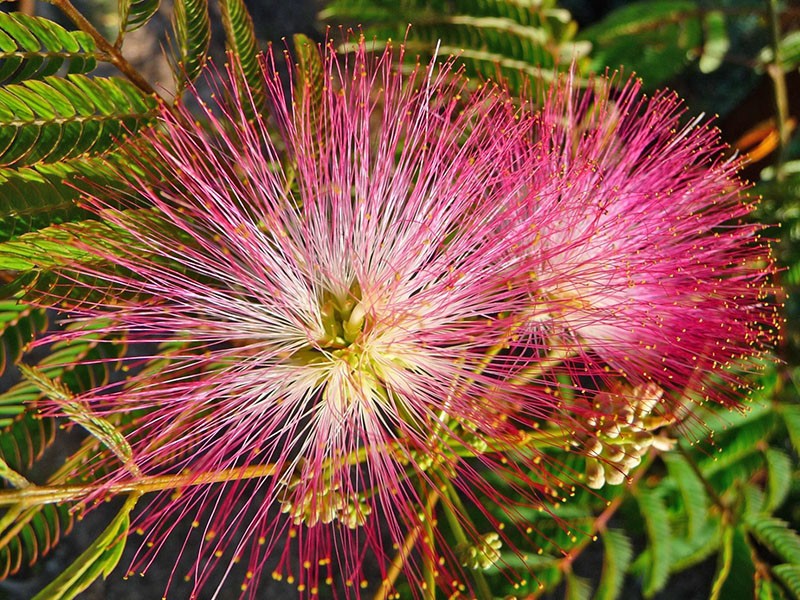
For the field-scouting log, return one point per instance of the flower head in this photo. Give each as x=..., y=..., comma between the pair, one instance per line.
x=364, y=316
x=646, y=262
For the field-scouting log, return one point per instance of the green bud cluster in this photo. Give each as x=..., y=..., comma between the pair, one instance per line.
x=482, y=554
x=326, y=506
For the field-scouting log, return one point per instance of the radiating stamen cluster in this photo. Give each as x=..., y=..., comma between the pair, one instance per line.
x=409, y=291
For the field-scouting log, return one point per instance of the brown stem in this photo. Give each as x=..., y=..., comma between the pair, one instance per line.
x=27, y=7
x=601, y=522
x=114, y=53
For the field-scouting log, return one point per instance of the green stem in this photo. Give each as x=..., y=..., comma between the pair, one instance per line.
x=405, y=550
x=725, y=562
x=54, y=494
x=483, y=592
x=428, y=564
x=555, y=358
x=114, y=53
x=775, y=70
x=712, y=493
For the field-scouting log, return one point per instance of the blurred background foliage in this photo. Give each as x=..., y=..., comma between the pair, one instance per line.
x=714, y=518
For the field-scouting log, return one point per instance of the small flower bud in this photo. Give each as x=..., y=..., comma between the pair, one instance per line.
x=483, y=554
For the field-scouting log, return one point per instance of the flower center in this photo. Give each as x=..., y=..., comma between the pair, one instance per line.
x=342, y=319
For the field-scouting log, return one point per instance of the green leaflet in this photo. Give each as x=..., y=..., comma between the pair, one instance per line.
x=688, y=552
x=45, y=194
x=617, y=555
x=789, y=576
x=99, y=559
x=28, y=533
x=34, y=47
x=659, y=551
x=24, y=441
x=79, y=412
x=310, y=82
x=752, y=499
x=716, y=43
x=776, y=535
x=738, y=443
x=652, y=38
x=63, y=363
x=577, y=588
x=19, y=325
x=57, y=118
x=791, y=418
x=240, y=39
x=192, y=31
x=55, y=246
x=494, y=38
x=31, y=200
x=309, y=99
x=779, y=478
x=133, y=14
x=693, y=494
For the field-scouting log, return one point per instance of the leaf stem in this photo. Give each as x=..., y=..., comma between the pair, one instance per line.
x=405, y=550
x=428, y=564
x=776, y=73
x=600, y=524
x=114, y=53
x=53, y=494
x=483, y=592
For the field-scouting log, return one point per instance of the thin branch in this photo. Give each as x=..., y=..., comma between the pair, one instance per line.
x=776, y=73
x=114, y=53
x=54, y=494
x=482, y=590
x=405, y=550
x=27, y=7
x=600, y=524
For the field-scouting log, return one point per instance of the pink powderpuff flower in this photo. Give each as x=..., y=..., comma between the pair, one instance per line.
x=328, y=305
x=647, y=264
x=368, y=313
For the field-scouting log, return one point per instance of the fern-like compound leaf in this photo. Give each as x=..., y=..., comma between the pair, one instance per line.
x=777, y=537
x=514, y=40
x=789, y=575
x=134, y=14
x=617, y=555
x=240, y=39
x=97, y=560
x=35, y=47
x=19, y=324
x=192, y=29
x=659, y=534
x=57, y=118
